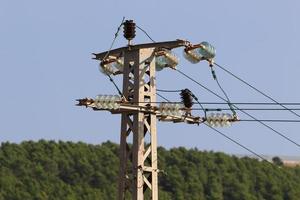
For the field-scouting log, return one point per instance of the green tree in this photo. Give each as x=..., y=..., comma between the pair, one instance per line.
x=49, y=170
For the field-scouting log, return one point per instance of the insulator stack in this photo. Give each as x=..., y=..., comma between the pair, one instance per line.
x=192, y=55
x=186, y=98
x=129, y=29
x=220, y=120
x=171, y=109
x=207, y=51
x=107, y=68
x=111, y=102
x=112, y=65
x=166, y=58
x=199, y=52
x=119, y=64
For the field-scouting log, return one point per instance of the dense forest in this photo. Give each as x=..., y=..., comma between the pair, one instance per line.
x=68, y=171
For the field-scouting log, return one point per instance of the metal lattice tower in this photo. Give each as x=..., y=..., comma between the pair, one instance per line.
x=138, y=171
x=138, y=86
x=138, y=160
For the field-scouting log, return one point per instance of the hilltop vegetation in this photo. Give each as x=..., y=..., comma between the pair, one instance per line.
x=67, y=171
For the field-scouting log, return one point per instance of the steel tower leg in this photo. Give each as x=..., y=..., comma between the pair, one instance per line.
x=138, y=161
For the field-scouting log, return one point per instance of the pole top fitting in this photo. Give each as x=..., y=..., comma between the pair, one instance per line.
x=129, y=30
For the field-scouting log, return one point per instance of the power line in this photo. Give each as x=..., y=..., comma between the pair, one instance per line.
x=202, y=107
x=216, y=79
x=114, y=39
x=161, y=96
x=229, y=138
x=223, y=91
x=113, y=82
x=269, y=127
x=254, y=109
x=192, y=95
x=107, y=54
x=257, y=90
x=196, y=99
x=220, y=103
x=145, y=33
x=168, y=90
x=253, y=103
x=269, y=120
x=239, y=144
x=212, y=109
x=238, y=103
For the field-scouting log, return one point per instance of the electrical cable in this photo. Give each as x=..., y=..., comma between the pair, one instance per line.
x=114, y=39
x=229, y=138
x=253, y=103
x=145, y=33
x=168, y=90
x=192, y=95
x=113, y=82
x=239, y=144
x=204, y=110
x=269, y=120
x=257, y=90
x=223, y=91
x=228, y=102
x=225, y=94
x=269, y=127
x=254, y=109
x=245, y=103
x=161, y=96
x=107, y=54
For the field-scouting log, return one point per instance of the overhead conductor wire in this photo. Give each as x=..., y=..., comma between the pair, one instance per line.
x=161, y=96
x=234, y=141
x=107, y=54
x=253, y=103
x=227, y=137
x=257, y=90
x=145, y=33
x=254, y=109
x=217, y=131
x=269, y=127
x=241, y=103
x=227, y=98
x=191, y=94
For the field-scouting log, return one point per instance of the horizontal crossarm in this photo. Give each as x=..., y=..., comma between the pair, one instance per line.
x=119, y=51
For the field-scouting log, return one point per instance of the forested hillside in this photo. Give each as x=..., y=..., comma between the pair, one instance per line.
x=66, y=171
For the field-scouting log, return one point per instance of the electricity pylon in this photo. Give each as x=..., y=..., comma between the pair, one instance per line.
x=138, y=162
x=138, y=171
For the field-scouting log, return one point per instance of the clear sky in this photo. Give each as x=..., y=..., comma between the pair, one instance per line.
x=45, y=64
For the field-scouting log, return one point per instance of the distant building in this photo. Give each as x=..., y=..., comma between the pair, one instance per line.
x=291, y=163
x=288, y=161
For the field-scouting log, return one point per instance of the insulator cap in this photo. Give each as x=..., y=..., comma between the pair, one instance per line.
x=107, y=102
x=106, y=68
x=129, y=29
x=171, y=109
x=219, y=120
x=112, y=65
x=165, y=58
x=207, y=51
x=192, y=55
x=186, y=98
x=202, y=51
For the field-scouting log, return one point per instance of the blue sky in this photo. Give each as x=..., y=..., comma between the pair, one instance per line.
x=45, y=64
